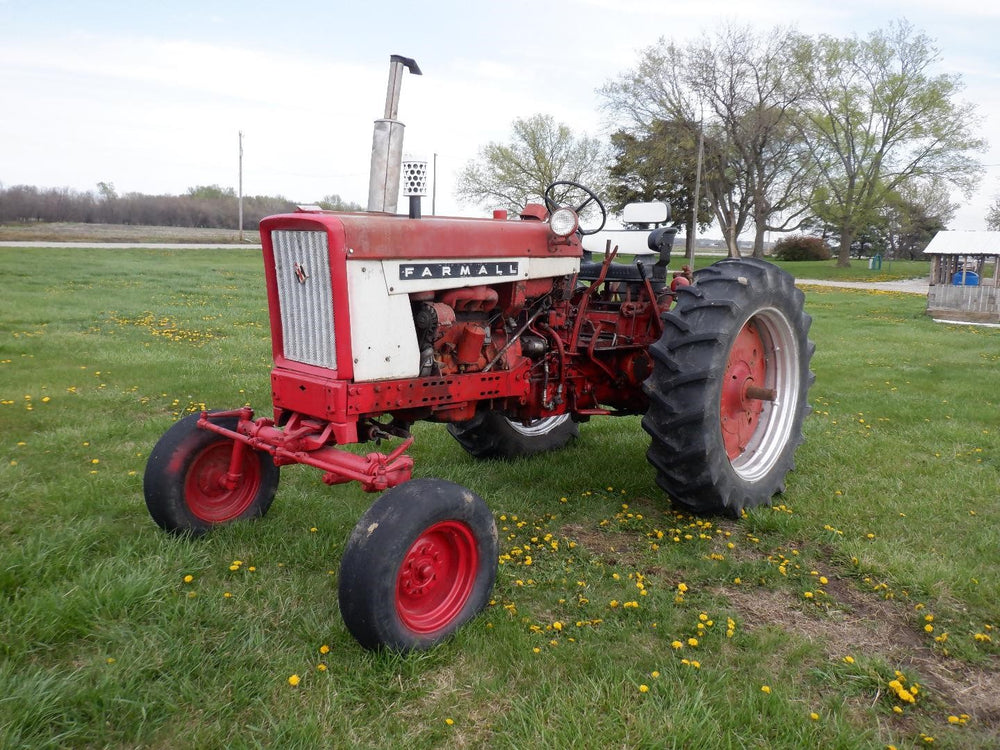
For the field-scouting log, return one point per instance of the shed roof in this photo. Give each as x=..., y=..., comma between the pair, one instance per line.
x=964, y=243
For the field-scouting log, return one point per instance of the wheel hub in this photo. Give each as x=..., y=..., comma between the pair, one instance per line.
x=420, y=571
x=436, y=576
x=743, y=386
x=208, y=493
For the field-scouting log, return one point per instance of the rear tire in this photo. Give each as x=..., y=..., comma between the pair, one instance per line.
x=182, y=484
x=492, y=435
x=728, y=392
x=420, y=563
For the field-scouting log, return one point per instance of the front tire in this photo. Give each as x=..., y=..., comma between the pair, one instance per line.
x=728, y=392
x=420, y=563
x=492, y=435
x=183, y=483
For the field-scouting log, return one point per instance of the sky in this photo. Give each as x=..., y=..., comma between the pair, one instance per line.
x=152, y=96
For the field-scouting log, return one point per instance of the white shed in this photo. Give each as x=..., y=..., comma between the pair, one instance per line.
x=964, y=275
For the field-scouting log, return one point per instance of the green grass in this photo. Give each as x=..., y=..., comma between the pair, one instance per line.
x=102, y=643
x=894, y=270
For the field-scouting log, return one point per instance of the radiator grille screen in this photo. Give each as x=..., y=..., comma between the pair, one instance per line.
x=302, y=267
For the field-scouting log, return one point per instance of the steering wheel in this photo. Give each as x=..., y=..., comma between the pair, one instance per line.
x=551, y=205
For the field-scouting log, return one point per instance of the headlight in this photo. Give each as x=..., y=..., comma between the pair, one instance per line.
x=564, y=222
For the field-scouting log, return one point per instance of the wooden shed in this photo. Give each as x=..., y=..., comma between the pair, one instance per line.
x=964, y=275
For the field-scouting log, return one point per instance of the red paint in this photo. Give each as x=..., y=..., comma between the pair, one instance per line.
x=739, y=412
x=532, y=348
x=436, y=577
x=209, y=495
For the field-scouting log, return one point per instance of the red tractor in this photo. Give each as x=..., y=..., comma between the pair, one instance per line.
x=507, y=332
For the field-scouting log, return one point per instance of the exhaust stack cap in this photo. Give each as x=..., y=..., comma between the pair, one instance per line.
x=414, y=177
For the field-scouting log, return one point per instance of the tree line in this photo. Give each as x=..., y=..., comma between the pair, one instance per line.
x=857, y=140
x=208, y=206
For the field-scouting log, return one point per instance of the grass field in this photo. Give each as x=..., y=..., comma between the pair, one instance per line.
x=860, y=611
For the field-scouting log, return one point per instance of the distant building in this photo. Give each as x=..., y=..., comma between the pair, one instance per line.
x=965, y=268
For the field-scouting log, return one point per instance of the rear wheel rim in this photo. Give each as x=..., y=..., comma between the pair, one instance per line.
x=205, y=492
x=538, y=427
x=437, y=576
x=756, y=431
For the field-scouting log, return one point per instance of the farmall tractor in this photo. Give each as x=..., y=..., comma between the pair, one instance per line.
x=507, y=332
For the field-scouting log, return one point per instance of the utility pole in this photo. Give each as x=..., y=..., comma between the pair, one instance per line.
x=692, y=239
x=434, y=189
x=241, y=186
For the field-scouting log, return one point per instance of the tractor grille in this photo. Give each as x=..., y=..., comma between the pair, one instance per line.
x=302, y=268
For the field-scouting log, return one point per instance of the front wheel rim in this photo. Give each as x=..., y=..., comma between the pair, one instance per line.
x=437, y=576
x=760, y=393
x=205, y=492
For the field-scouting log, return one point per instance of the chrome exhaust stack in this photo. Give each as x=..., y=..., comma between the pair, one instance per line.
x=387, y=142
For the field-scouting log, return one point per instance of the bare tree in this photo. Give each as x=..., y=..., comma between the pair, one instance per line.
x=540, y=152
x=740, y=86
x=878, y=117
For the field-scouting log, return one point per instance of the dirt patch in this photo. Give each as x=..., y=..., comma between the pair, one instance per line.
x=866, y=625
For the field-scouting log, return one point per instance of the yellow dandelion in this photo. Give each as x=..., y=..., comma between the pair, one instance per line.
x=321, y=667
x=692, y=642
x=324, y=649
x=814, y=716
x=644, y=688
x=676, y=645
x=849, y=659
x=449, y=722
x=294, y=680
x=188, y=578
x=765, y=689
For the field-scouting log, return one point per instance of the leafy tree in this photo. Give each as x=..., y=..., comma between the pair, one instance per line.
x=919, y=210
x=993, y=215
x=540, y=152
x=107, y=191
x=211, y=191
x=335, y=203
x=877, y=117
x=657, y=166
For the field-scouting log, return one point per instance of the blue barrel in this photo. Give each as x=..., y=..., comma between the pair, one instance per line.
x=966, y=278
